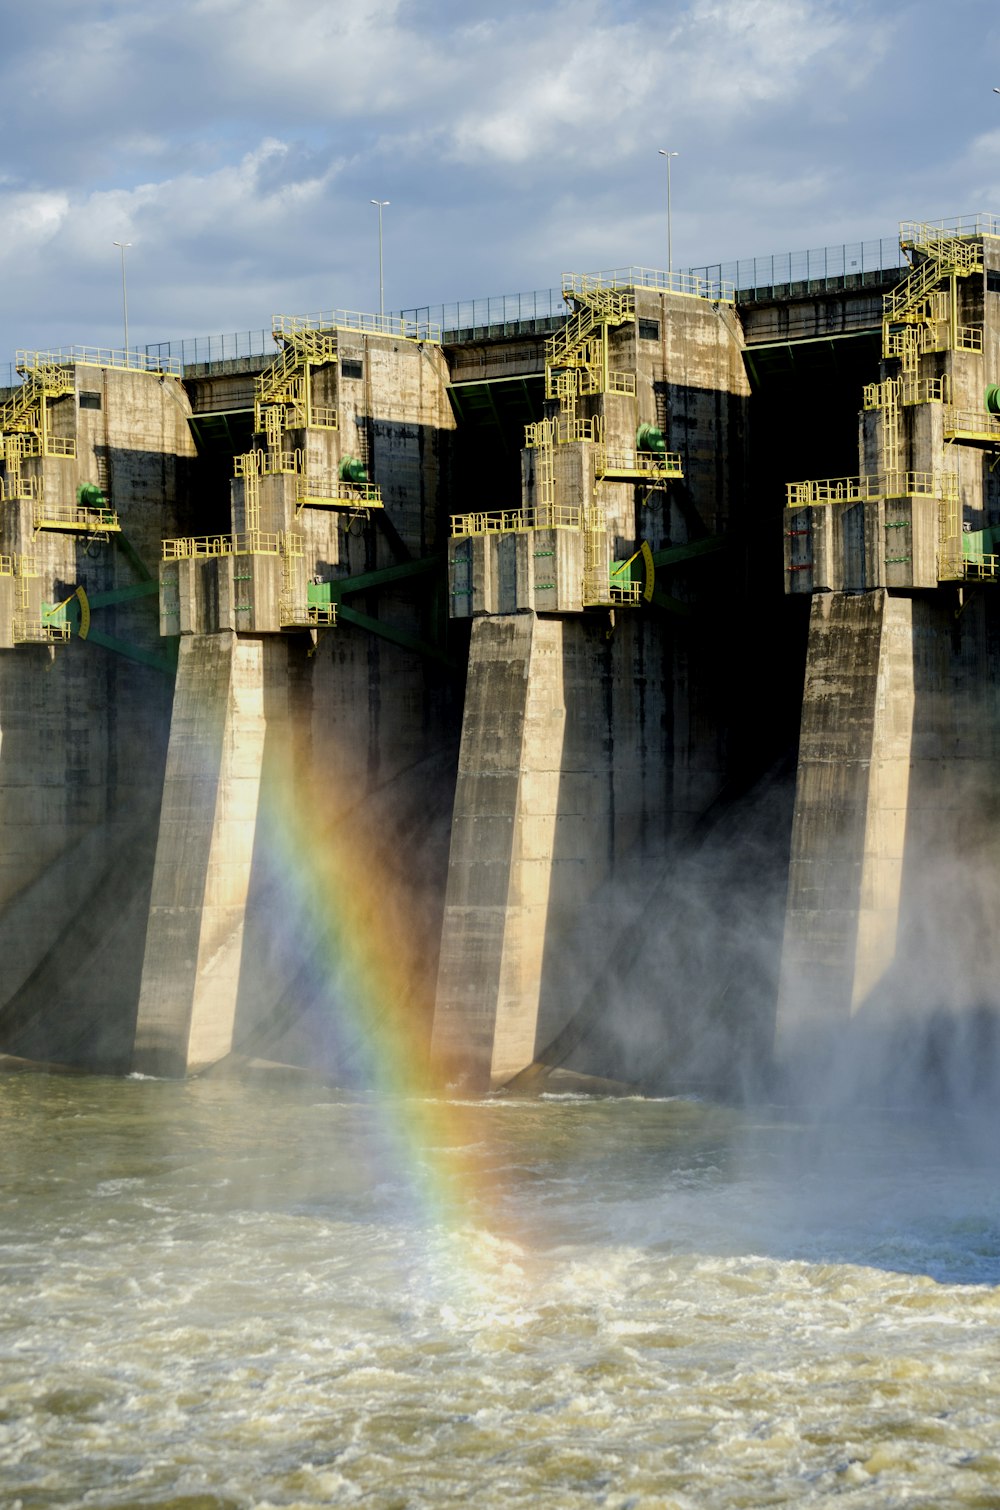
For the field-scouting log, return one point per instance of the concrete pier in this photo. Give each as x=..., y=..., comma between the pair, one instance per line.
x=194, y=939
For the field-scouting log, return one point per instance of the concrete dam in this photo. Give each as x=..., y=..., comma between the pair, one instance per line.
x=611, y=689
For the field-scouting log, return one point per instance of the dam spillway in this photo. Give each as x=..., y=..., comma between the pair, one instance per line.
x=452, y=674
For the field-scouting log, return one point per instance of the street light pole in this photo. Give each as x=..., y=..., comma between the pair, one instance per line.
x=381, y=292
x=122, y=245
x=670, y=230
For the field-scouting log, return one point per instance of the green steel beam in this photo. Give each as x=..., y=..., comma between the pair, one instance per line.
x=706, y=546
x=348, y=615
x=132, y=556
x=369, y=580
x=672, y=605
x=167, y=663
x=123, y=594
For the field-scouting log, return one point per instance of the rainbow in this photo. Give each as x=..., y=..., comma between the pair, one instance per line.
x=340, y=925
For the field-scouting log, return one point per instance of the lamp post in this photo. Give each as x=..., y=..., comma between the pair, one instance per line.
x=122, y=245
x=670, y=230
x=381, y=292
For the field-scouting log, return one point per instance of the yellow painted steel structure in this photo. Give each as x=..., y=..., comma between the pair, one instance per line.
x=29, y=629
x=920, y=318
x=75, y=519
x=331, y=493
x=873, y=486
x=638, y=466
x=205, y=547
x=577, y=366
x=511, y=521
x=971, y=425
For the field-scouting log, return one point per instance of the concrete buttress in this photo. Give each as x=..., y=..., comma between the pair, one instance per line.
x=191, y=968
x=850, y=812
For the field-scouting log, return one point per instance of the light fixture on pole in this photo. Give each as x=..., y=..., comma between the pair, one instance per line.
x=670, y=230
x=122, y=245
x=381, y=292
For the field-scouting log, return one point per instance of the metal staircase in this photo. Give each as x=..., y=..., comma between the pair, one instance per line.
x=283, y=394
x=25, y=415
x=576, y=357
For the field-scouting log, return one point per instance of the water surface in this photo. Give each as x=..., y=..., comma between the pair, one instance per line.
x=221, y=1295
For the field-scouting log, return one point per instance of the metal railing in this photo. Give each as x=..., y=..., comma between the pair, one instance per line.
x=980, y=568
x=908, y=390
x=74, y=516
x=400, y=326
x=206, y=547
x=871, y=487
x=695, y=284
x=508, y=521
x=537, y=312
x=644, y=464
x=132, y=360
x=562, y=431
x=321, y=490
x=30, y=631
x=822, y=269
x=915, y=232
x=196, y=351
x=971, y=422
x=18, y=487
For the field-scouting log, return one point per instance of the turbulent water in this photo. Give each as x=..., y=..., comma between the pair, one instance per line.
x=237, y=1295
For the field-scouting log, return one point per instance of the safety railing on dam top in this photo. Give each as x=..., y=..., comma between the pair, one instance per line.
x=401, y=326
x=693, y=284
x=827, y=269
x=132, y=360
x=538, y=312
x=912, y=232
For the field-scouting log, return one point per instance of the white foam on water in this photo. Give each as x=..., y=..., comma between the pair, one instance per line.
x=664, y=1311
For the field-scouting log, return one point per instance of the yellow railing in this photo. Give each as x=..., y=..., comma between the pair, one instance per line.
x=642, y=464
x=268, y=464
x=509, y=521
x=645, y=277
x=580, y=346
x=972, y=422
x=18, y=487
x=30, y=631
x=206, y=547
x=562, y=431
x=96, y=356
x=871, y=487
x=349, y=319
x=323, y=491
x=983, y=568
x=74, y=517
x=909, y=391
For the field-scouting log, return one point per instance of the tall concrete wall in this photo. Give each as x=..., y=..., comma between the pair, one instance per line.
x=83, y=724
x=349, y=729
x=583, y=752
x=589, y=736
x=194, y=938
x=890, y=887
x=893, y=884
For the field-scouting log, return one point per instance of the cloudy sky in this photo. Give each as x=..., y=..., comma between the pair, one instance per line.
x=237, y=143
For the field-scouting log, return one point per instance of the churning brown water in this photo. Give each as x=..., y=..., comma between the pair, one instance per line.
x=242, y=1295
